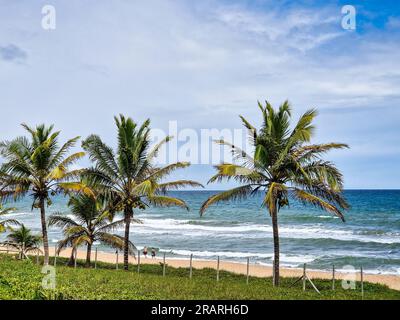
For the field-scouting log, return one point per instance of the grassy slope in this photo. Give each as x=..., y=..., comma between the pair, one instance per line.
x=22, y=280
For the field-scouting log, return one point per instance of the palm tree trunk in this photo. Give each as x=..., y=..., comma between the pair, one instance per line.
x=275, y=231
x=88, y=254
x=71, y=260
x=44, y=232
x=128, y=215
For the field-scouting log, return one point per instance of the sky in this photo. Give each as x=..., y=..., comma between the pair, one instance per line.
x=203, y=63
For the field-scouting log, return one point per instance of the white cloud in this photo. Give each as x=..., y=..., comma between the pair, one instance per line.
x=201, y=64
x=393, y=23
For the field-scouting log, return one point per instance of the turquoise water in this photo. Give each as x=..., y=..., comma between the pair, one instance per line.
x=236, y=231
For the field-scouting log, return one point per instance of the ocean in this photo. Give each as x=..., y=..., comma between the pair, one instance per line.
x=235, y=231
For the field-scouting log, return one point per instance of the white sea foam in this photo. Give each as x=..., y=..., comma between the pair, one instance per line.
x=186, y=228
x=390, y=271
x=328, y=217
x=315, y=231
x=286, y=260
x=297, y=258
x=227, y=254
x=20, y=214
x=182, y=227
x=199, y=233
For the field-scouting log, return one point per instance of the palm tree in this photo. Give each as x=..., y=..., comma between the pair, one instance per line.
x=284, y=165
x=38, y=167
x=90, y=223
x=6, y=224
x=24, y=241
x=128, y=178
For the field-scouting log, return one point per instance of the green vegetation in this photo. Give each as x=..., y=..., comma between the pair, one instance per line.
x=129, y=179
x=5, y=224
x=284, y=165
x=21, y=279
x=36, y=166
x=90, y=222
x=24, y=241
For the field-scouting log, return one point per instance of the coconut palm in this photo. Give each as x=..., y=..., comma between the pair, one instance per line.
x=7, y=223
x=129, y=179
x=90, y=223
x=24, y=241
x=38, y=167
x=284, y=165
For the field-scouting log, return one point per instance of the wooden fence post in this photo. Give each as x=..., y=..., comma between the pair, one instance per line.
x=116, y=259
x=164, y=265
x=37, y=257
x=95, y=259
x=362, y=283
x=333, y=277
x=248, y=269
x=218, y=268
x=55, y=255
x=76, y=256
x=191, y=266
x=138, y=265
x=304, y=277
x=273, y=272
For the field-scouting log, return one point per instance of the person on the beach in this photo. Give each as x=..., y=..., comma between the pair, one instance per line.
x=153, y=253
x=145, y=252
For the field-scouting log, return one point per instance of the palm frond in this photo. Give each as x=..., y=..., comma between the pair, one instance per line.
x=58, y=158
x=156, y=149
x=61, y=221
x=111, y=226
x=316, y=150
x=233, y=194
x=76, y=187
x=65, y=243
x=238, y=154
x=12, y=222
x=227, y=171
x=102, y=155
x=145, y=188
x=309, y=198
x=75, y=230
x=165, y=201
x=163, y=172
x=304, y=128
x=175, y=185
x=115, y=241
x=4, y=211
x=252, y=131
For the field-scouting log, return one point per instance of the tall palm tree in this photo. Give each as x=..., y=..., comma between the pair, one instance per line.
x=24, y=241
x=128, y=178
x=7, y=223
x=38, y=167
x=90, y=223
x=284, y=165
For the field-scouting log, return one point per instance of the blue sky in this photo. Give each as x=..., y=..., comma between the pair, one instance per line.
x=203, y=63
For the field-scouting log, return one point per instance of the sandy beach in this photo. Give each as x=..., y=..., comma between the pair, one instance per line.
x=392, y=281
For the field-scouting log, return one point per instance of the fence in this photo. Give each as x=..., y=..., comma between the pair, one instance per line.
x=11, y=248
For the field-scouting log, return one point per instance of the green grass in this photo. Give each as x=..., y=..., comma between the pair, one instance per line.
x=22, y=280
